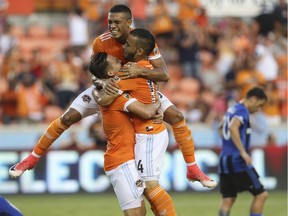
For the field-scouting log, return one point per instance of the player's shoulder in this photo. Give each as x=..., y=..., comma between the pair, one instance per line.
x=145, y=63
x=105, y=36
x=240, y=110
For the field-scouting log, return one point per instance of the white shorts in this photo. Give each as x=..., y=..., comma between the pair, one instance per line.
x=165, y=102
x=127, y=184
x=149, y=154
x=85, y=103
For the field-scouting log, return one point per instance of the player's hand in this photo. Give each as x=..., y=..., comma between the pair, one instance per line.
x=111, y=88
x=158, y=118
x=130, y=70
x=247, y=158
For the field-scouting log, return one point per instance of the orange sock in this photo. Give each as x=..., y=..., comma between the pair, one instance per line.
x=160, y=201
x=55, y=129
x=184, y=140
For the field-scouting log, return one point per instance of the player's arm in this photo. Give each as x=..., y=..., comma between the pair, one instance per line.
x=235, y=136
x=145, y=111
x=158, y=74
x=103, y=99
x=220, y=128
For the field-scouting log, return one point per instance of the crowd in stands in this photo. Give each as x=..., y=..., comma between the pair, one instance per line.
x=211, y=62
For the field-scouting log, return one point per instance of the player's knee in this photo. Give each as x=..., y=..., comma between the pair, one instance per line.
x=151, y=185
x=173, y=116
x=70, y=117
x=227, y=203
x=133, y=212
x=262, y=197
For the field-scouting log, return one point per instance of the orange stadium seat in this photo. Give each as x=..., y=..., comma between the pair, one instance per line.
x=37, y=31
x=18, y=31
x=59, y=31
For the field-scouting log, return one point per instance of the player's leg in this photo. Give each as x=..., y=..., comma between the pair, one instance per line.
x=160, y=201
x=83, y=106
x=229, y=193
x=140, y=211
x=184, y=139
x=149, y=155
x=254, y=185
x=226, y=205
x=6, y=208
x=128, y=187
x=257, y=205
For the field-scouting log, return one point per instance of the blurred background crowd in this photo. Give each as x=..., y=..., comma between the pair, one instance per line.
x=212, y=60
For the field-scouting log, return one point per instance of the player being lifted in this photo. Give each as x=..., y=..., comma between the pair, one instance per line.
x=119, y=26
x=151, y=138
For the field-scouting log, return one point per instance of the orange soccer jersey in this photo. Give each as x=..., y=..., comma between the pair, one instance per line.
x=105, y=43
x=145, y=91
x=119, y=132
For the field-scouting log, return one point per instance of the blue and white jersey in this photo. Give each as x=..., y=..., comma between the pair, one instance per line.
x=230, y=158
x=7, y=209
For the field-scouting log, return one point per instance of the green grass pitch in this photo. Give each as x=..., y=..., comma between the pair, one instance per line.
x=106, y=204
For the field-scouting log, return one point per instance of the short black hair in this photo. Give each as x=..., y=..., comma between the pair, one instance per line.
x=145, y=39
x=98, y=65
x=257, y=92
x=121, y=8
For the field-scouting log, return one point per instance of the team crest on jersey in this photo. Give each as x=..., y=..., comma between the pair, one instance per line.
x=126, y=95
x=139, y=183
x=86, y=98
x=116, y=79
x=156, y=51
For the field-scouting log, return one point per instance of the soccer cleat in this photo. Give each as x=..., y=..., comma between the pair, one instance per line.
x=195, y=174
x=27, y=164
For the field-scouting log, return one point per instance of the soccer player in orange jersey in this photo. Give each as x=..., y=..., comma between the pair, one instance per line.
x=119, y=162
x=151, y=137
x=119, y=26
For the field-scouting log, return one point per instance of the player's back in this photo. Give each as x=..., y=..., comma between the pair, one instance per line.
x=145, y=91
x=119, y=132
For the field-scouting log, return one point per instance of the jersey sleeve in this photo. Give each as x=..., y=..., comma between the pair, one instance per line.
x=155, y=54
x=119, y=103
x=130, y=101
x=241, y=115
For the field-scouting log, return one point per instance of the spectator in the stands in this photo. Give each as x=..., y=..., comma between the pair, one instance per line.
x=78, y=29
x=272, y=106
x=266, y=62
x=188, y=48
x=8, y=104
x=248, y=76
x=31, y=98
x=210, y=76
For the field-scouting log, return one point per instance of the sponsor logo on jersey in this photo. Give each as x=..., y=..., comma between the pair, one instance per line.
x=86, y=98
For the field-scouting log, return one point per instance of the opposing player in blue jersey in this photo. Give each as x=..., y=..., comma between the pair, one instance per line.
x=235, y=166
x=7, y=209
